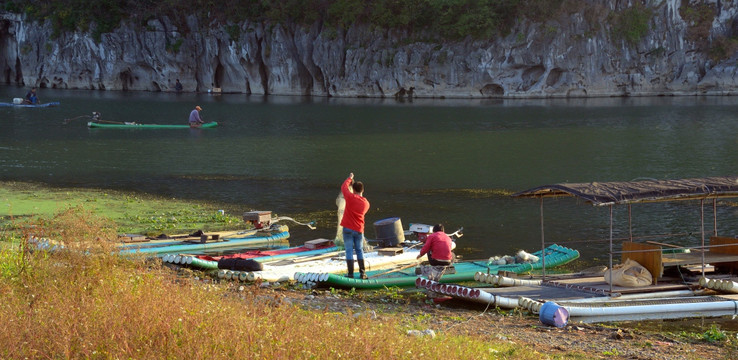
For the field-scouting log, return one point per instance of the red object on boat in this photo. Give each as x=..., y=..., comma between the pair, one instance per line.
x=259, y=253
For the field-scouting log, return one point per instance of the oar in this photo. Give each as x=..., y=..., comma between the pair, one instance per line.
x=316, y=257
x=393, y=270
x=113, y=122
x=67, y=121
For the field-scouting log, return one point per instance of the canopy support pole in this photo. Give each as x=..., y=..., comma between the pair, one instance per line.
x=630, y=223
x=714, y=216
x=702, y=231
x=543, y=243
x=611, y=249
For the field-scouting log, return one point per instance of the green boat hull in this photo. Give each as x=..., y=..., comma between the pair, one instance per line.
x=148, y=126
x=555, y=256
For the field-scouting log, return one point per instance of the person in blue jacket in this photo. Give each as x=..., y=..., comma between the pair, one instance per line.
x=31, y=97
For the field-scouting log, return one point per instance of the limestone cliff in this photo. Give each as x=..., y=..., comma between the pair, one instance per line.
x=571, y=54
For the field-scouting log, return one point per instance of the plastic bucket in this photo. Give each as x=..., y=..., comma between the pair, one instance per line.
x=389, y=232
x=554, y=315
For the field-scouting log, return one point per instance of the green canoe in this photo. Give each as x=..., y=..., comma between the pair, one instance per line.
x=556, y=255
x=133, y=125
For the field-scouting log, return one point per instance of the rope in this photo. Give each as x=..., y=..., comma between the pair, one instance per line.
x=309, y=225
x=67, y=121
x=472, y=317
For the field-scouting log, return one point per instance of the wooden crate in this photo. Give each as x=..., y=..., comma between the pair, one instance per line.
x=390, y=251
x=132, y=238
x=647, y=255
x=726, y=246
x=317, y=243
x=263, y=217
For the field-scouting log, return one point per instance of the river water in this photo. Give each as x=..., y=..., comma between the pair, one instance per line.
x=425, y=161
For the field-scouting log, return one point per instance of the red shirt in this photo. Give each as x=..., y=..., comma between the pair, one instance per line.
x=356, y=207
x=439, y=245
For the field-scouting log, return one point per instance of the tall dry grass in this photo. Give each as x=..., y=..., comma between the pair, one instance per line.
x=75, y=303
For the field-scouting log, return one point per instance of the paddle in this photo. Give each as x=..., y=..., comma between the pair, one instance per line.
x=393, y=270
x=316, y=257
x=303, y=259
x=67, y=121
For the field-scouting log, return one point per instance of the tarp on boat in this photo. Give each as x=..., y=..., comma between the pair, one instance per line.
x=624, y=192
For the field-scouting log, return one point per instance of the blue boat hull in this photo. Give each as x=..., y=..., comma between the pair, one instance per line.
x=190, y=247
x=49, y=104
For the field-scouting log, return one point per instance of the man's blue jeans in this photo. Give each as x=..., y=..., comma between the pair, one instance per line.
x=353, y=240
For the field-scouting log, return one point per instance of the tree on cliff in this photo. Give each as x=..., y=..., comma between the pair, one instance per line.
x=450, y=19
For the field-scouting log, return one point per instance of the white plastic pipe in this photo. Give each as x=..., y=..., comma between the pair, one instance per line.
x=506, y=281
x=731, y=287
x=505, y=302
x=455, y=290
x=655, y=295
x=577, y=311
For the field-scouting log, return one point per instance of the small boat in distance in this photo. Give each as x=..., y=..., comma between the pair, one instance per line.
x=134, y=125
x=48, y=104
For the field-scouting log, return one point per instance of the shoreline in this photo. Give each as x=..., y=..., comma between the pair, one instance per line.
x=655, y=339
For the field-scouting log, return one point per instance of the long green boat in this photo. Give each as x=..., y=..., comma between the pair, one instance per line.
x=556, y=255
x=278, y=233
x=133, y=125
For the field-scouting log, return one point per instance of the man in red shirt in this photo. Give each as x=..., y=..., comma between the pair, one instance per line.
x=353, y=223
x=438, y=246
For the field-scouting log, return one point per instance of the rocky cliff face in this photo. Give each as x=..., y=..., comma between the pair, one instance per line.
x=571, y=54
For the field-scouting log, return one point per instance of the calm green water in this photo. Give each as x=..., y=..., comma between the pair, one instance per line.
x=424, y=161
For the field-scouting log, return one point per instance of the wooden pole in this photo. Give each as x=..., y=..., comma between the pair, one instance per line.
x=543, y=242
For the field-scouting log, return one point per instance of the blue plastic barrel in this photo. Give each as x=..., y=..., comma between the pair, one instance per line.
x=554, y=315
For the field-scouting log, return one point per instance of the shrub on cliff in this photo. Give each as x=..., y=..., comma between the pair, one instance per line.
x=451, y=19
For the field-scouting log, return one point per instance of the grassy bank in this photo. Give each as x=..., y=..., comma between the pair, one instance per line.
x=130, y=212
x=91, y=304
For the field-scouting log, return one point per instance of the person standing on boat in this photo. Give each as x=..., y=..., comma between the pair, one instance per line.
x=438, y=246
x=31, y=97
x=195, y=119
x=353, y=223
